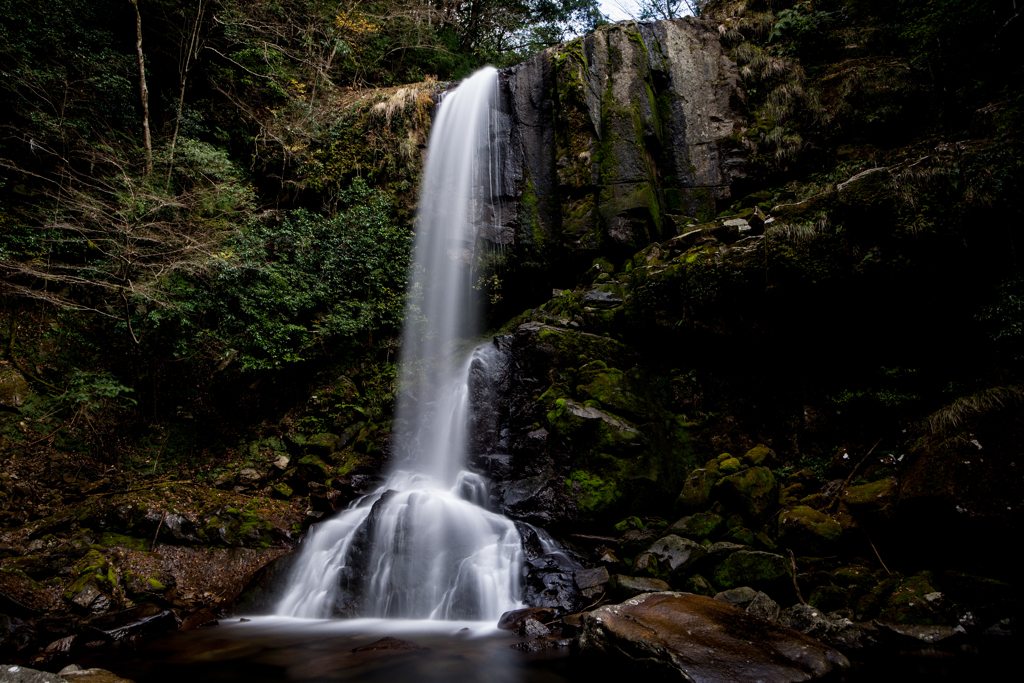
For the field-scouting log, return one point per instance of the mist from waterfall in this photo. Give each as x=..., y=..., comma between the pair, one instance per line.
x=423, y=545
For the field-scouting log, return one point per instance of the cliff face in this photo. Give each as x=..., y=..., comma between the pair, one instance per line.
x=614, y=136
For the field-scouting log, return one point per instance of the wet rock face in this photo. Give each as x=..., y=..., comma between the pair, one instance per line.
x=490, y=376
x=688, y=637
x=538, y=441
x=611, y=133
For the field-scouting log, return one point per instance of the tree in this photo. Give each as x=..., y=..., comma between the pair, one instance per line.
x=143, y=89
x=653, y=10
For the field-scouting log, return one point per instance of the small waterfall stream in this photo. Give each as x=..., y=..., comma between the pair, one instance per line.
x=423, y=546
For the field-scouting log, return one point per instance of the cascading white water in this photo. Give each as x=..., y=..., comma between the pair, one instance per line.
x=422, y=545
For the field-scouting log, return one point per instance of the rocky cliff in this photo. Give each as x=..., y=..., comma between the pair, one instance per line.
x=615, y=136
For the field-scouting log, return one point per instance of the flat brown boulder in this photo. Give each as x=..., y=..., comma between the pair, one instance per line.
x=388, y=643
x=687, y=637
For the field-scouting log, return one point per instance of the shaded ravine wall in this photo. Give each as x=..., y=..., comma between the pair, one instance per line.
x=614, y=139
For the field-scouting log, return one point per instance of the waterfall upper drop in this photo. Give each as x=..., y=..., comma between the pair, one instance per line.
x=423, y=545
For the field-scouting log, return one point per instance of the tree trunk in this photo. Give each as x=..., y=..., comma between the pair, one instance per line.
x=147, y=142
x=193, y=47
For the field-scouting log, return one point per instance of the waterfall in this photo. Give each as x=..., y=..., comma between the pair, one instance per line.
x=423, y=545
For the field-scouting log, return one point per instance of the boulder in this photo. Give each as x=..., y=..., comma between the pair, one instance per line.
x=754, y=492
x=592, y=582
x=737, y=597
x=808, y=531
x=20, y=674
x=249, y=477
x=549, y=583
x=93, y=676
x=672, y=556
x=760, y=455
x=730, y=465
x=754, y=568
x=763, y=606
x=866, y=189
x=388, y=643
x=696, y=491
x=13, y=387
x=686, y=637
x=145, y=621
x=874, y=500
x=631, y=586
x=636, y=540
x=322, y=444
x=699, y=585
x=698, y=527
x=511, y=621
x=832, y=629
x=723, y=548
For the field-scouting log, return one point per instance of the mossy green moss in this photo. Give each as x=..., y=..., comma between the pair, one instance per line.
x=609, y=387
x=807, y=530
x=314, y=463
x=907, y=605
x=758, y=455
x=592, y=493
x=696, y=491
x=753, y=568
x=92, y=570
x=875, y=496
x=698, y=527
x=753, y=491
x=322, y=444
x=110, y=539
x=729, y=465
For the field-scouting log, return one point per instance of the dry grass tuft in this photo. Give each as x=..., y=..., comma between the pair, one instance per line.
x=401, y=101
x=966, y=407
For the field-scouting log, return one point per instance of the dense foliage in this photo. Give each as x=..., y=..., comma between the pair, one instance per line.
x=273, y=231
x=274, y=227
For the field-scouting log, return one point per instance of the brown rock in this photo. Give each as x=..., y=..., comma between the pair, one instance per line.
x=630, y=586
x=693, y=638
x=388, y=643
x=93, y=676
x=511, y=621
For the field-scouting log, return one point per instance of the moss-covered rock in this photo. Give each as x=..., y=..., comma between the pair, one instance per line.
x=698, y=527
x=608, y=387
x=830, y=597
x=874, y=499
x=312, y=468
x=699, y=585
x=696, y=491
x=593, y=494
x=908, y=604
x=760, y=455
x=765, y=542
x=791, y=494
x=323, y=444
x=765, y=571
x=808, y=531
x=729, y=465
x=853, y=575
x=754, y=492
x=282, y=491
x=93, y=580
x=741, y=535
